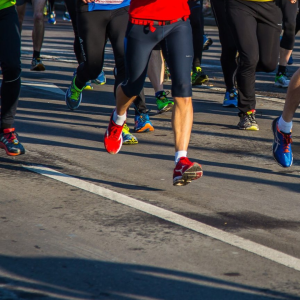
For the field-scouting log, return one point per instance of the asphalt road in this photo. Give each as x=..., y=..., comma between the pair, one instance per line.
x=233, y=234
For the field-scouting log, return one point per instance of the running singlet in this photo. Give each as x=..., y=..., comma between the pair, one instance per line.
x=159, y=10
x=6, y=3
x=107, y=4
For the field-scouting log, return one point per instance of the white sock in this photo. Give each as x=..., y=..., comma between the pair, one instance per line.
x=284, y=126
x=119, y=120
x=179, y=154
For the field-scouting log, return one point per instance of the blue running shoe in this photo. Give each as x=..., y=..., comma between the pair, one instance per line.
x=282, y=149
x=101, y=79
x=142, y=123
x=52, y=19
x=230, y=99
x=291, y=60
x=128, y=138
x=73, y=95
x=207, y=42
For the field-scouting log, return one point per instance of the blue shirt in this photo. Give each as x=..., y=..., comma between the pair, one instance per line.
x=107, y=4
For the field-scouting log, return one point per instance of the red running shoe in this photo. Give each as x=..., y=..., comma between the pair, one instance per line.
x=186, y=171
x=113, y=137
x=10, y=143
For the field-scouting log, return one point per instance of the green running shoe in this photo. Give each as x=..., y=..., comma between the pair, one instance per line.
x=199, y=77
x=162, y=102
x=128, y=138
x=73, y=95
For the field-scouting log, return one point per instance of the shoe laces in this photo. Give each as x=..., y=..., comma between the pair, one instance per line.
x=144, y=117
x=287, y=140
x=163, y=96
x=11, y=137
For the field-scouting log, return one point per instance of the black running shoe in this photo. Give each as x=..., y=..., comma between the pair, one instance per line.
x=10, y=143
x=248, y=121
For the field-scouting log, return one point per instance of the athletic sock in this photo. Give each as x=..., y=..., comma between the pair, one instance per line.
x=179, y=154
x=285, y=127
x=36, y=54
x=119, y=120
x=281, y=70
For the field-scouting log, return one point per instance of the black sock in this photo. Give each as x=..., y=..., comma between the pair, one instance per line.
x=281, y=70
x=36, y=54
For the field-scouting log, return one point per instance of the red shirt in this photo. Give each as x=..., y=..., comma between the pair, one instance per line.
x=159, y=10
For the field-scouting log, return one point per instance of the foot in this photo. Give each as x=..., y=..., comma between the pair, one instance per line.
x=281, y=80
x=282, y=146
x=101, y=79
x=66, y=16
x=10, y=143
x=248, y=121
x=73, y=95
x=142, y=123
x=37, y=65
x=52, y=19
x=128, y=138
x=186, y=171
x=207, y=42
x=230, y=99
x=113, y=137
x=199, y=77
x=162, y=102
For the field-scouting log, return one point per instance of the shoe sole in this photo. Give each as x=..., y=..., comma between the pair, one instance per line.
x=166, y=108
x=273, y=130
x=200, y=83
x=10, y=153
x=132, y=142
x=281, y=85
x=193, y=173
x=252, y=128
x=146, y=128
x=88, y=88
x=39, y=67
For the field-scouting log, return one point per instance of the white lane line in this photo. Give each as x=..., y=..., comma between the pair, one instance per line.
x=228, y=238
x=49, y=87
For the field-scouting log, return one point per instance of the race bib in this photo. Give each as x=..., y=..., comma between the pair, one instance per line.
x=108, y=1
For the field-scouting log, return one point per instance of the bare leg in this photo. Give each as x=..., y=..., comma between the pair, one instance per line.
x=21, y=13
x=38, y=25
x=156, y=70
x=123, y=102
x=182, y=121
x=292, y=100
x=284, y=56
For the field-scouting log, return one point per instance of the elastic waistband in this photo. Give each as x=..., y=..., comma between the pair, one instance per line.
x=153, y=23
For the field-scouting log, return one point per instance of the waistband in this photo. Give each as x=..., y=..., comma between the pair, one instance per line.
x=153, y=23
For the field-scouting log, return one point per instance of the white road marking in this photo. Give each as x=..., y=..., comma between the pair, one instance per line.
x=228, y=238
x=49, y=87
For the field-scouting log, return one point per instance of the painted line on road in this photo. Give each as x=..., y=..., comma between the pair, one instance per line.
x=228, y=238
x=49, y=87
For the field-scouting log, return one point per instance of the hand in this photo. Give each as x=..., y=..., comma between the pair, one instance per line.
x=89, y=1
x=293, y=1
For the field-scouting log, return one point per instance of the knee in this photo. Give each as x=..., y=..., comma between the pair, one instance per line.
x=248, y=62
x=182, y=90
x=38, y=17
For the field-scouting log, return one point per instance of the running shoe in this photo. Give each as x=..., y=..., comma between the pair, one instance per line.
x=88, y=86
x=51, y=19
x=291, y=60
x=128, y=138
x=199, y=77
x=10, y=143
x=101, y=79
x=282, y=146
x=113, y=137
x=66, y=16
x=186, y=171
x=282, y=80
x=230, y=99
x=162, y=102
x=248, y=121
x=73, y=95
x=37, y=65
x=45, y=10
x=142, y=123
x=207, y=42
